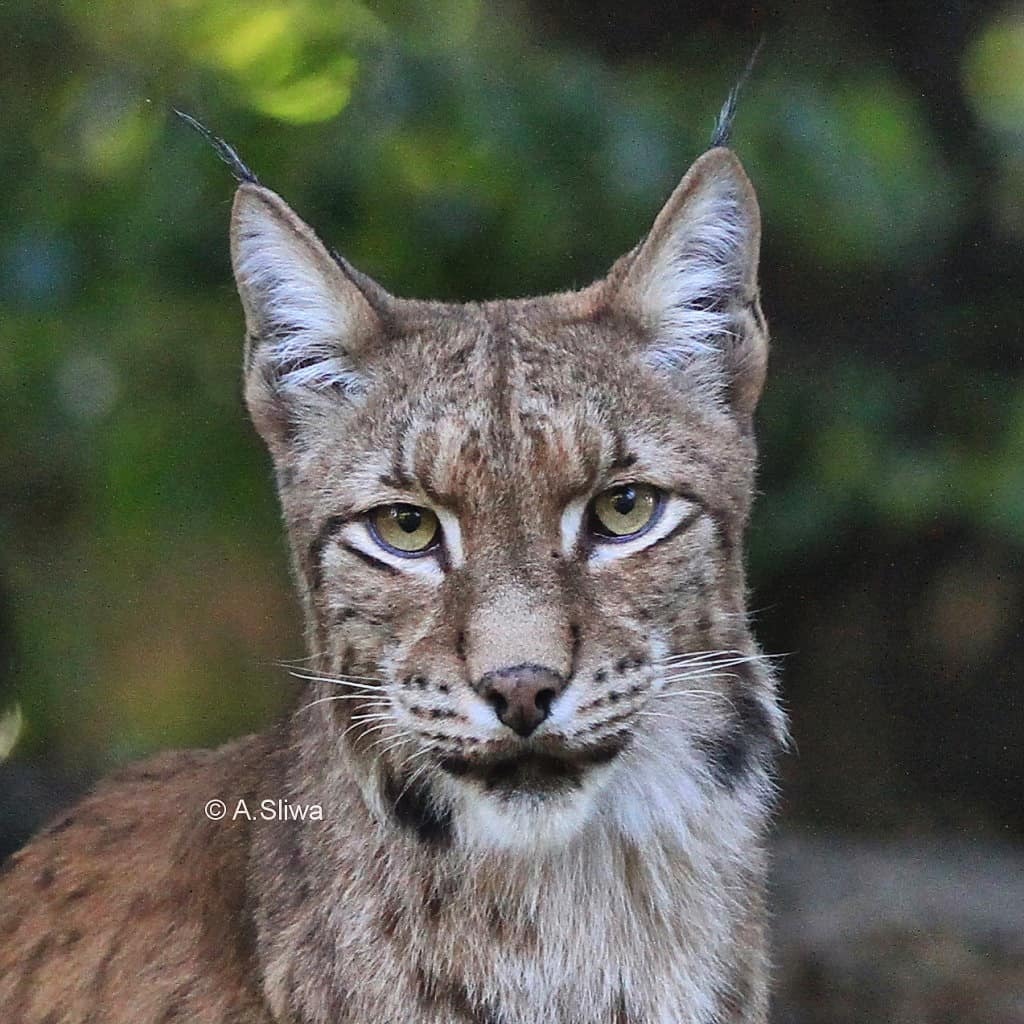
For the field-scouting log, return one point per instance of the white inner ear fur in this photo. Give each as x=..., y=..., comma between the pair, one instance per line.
x=694, y=266
x=298, y=301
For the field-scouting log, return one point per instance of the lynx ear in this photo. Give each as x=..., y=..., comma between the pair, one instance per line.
x=692, y=283
x=307, y=314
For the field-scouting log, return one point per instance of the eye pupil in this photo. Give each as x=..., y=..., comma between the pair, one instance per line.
x=408, y=519
x=624, y=501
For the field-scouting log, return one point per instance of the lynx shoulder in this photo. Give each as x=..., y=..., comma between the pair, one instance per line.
x=537, y=731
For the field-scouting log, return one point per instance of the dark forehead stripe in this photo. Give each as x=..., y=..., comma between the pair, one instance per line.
x=623, y=461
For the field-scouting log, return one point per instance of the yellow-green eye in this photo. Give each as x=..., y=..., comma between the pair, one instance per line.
x=405, y=529
x=624, y=511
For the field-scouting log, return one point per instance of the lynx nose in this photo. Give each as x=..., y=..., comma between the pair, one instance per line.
x=522, y=695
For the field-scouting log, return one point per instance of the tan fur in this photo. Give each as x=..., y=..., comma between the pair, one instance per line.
x=609, y=868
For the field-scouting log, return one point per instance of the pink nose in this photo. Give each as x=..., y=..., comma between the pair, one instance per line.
x=522, y=695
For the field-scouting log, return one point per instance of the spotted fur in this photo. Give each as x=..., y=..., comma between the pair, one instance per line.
x=608, y=868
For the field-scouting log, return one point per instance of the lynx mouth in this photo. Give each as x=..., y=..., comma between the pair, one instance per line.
x=533, y=770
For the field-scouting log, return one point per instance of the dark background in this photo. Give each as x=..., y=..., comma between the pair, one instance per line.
x=468, y=150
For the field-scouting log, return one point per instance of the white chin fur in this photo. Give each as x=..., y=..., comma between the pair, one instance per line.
x=524, y=821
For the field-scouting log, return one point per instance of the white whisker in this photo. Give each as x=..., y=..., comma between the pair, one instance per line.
x=368, y=731
x=334, y=697
x=702, y=674
x=338, y=681
x=714, y=663
x=657, y=714
x=367, y=700
x=702, y=696
x=690, y=693
x=405, y=734
x=699, y=656
x=412, y=779
x=422, y=752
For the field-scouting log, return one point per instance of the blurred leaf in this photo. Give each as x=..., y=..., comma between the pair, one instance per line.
x=994, y=74
x=10, y=730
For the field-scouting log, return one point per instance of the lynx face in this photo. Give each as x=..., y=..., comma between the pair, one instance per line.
x=517, y=526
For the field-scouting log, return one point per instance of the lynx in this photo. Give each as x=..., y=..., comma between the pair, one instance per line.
x=537, y=729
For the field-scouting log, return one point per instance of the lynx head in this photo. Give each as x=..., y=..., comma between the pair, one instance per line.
x=517, y=526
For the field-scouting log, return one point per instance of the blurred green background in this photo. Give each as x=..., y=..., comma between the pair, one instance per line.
x=463, y=149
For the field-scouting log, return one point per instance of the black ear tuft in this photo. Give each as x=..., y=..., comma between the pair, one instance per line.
x=723, y=124
x=225, y=151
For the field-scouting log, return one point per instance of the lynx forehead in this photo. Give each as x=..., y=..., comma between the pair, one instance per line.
x=534, y=716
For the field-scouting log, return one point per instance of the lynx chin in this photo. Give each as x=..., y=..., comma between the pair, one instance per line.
x=534, y=717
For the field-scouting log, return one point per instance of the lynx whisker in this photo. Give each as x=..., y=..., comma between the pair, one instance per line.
x=411, y=781
x=403, y=735
x=340, y=677
x=370, y=731
x=691, y=693
x=740, y=657
x=721, y=661
x=646, y=713
x=385, y=750
x=375, y=716
x=367, y=700
x=422, y=752
x=360, y=723
x=701, y=696
x=640, y=744
x=699, y=676
x=725, y=663
x=699, y=655
x=339, y=680
x=334, y=697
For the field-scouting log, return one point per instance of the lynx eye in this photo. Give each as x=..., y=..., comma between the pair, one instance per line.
x=624, y=511
x=406, y=530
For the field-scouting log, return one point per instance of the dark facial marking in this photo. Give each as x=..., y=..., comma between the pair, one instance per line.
x=623, y=462
x=415, y=810
x=369, y=559
x=534, y=771
x=316, y=549
x=747, y=742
